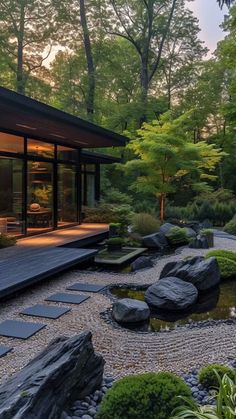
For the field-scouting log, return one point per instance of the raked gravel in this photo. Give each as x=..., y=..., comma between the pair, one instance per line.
x=125, y=352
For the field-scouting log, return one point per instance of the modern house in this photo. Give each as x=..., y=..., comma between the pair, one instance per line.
x=45, y=175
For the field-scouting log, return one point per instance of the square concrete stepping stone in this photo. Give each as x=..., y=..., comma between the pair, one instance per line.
x=19, y=329
x=86, y=287
x=4, y=350
x=67, y=298
x=42, y=310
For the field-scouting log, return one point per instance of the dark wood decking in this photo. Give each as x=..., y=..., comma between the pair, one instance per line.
x=37, y=258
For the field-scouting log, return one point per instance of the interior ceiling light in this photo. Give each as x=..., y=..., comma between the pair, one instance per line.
x=80, y=142
x=57, y=135
x=26, y=126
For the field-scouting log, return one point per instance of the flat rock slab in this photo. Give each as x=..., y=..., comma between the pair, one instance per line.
x=68, y=298
x=86, y=287
x=42, y=310
x=4, y=350
x=19, y=329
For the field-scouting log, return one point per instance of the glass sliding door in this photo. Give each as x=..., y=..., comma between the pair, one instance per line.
x=11, y=196
x=39, y=197
x=67, y=195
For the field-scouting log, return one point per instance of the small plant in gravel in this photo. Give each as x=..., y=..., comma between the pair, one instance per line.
x=226, y=260
x=224, y=408
x=6, y=241
x=208, y=377
x=149, y=396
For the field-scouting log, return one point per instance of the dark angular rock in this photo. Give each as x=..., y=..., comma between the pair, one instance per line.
x=141, y=263
x=199, y=242
x=166, y=227
x=171, y=294
x=155, y=241
x=203, y=273
x=128, y=310
x=191, y=234
x=66, y=370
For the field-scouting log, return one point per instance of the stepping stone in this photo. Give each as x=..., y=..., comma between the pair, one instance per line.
x=42, y=310
x=19, y=329
x=67, y=298
x=86, y=287
x=4, y=350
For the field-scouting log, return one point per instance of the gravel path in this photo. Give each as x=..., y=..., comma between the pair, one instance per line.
x=125, y=352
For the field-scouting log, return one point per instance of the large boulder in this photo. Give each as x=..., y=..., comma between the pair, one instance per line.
x=191, y=234
x=68, y=369
x=155, y=241
x=203, y=273
x=128, y=310
x=142, y=262
x=171, y=294
x=166, y=227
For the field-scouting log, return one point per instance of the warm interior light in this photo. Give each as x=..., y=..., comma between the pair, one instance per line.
x=26, y=126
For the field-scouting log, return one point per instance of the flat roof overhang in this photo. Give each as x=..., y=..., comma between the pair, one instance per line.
x=34, y=119
x=93, y=158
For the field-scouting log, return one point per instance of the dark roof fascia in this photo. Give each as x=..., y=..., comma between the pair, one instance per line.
x=49, y=111
x=99, y=157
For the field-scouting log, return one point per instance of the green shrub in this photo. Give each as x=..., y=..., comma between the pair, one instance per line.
x=145, y=224
x=149, y=396
x=6, y=241
x=114, y=241
x=177, y=236
x=226, y=261
x=230, y=227
x=208, y=378
x=102, y=213
x=224, y=408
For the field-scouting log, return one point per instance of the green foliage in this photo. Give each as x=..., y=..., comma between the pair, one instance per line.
x=114, y=196
x=113, y=241
x=177, y=236
x=149, y=396
x=226, y=261
x=208, y=378
x=107, y=213
x=123, y=215
x=224, y=408
x=145, y=224
x=6, y=241
x=230, y=227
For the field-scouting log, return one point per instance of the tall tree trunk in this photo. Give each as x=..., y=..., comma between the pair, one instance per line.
x=20, y=83
x=90, y=63
x=162, y=206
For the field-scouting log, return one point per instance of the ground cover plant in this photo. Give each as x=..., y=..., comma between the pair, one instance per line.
x=149, y=396
x=177, y=236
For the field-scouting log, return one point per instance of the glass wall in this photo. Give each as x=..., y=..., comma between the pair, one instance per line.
x=67, y=194
x=39, y=196
x=11, y=143
x=88, y=185
x=11, y=196
x=40, y=149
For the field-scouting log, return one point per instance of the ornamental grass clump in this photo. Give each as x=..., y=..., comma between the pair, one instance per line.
x=145, y=224
x=226, y=261
x=144, y=396
x=208, y=377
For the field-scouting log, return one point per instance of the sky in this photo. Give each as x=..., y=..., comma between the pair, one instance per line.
x=210, y=17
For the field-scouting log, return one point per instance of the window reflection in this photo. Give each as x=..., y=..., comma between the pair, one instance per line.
x=67, y=194
x=39, y=148
x=11, y=143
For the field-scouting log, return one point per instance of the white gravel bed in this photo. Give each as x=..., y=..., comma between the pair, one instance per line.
x=125, y=352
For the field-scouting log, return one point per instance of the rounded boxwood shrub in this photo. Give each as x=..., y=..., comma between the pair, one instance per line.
x=208, y=378
x=227, y=262
x=149, y=396
x=230, y=227
x=177, y=236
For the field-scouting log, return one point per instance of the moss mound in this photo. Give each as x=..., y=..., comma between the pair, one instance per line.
x=149, y=396
x=227, y=262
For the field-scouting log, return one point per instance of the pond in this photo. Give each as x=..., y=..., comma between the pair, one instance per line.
x=217, y=304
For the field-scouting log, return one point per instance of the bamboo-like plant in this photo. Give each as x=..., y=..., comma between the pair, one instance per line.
x=225, y=407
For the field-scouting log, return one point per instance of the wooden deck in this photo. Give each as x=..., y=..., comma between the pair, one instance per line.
x=37, y=258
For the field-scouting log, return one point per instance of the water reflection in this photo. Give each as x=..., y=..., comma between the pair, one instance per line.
x=217, y=304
